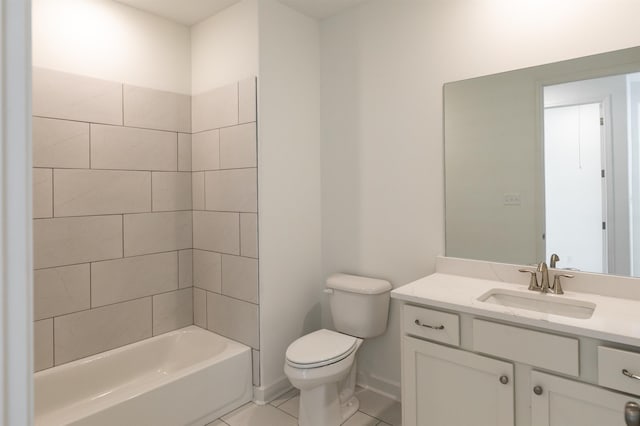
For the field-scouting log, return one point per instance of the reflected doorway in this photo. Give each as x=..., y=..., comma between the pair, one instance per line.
x=575, y=186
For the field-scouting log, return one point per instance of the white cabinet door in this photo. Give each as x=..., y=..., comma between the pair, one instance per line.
x=442, y=386
x=563, y=402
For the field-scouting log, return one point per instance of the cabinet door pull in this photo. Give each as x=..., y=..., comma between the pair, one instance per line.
x=537, y=390
x=504, y=380
x=632, y=413
x=630, y=375
x=434, y=327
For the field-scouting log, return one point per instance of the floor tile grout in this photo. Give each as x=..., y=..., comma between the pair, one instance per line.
x=281, y=403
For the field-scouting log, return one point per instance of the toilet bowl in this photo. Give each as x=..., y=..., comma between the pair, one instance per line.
x=322, y=364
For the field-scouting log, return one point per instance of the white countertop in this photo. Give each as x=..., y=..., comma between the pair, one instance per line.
x=614, y=319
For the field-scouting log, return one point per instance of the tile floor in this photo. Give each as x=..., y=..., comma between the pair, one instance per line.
x=375, y=410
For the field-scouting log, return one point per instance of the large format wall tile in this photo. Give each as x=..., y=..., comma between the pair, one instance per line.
x=231, y=190
x=156, y=109
x=184, y=152
x=42, y=193
x=214, y=109
x=157, y=232
x=235, y=319
x=197, y=187
x=95, y=192
x=127, y=148
x=60, y=143
x=172, y=310
x=90, y=332
x=60, y=291
x=133, y=277
x=207, y=270
x=216, y=231
x=240, y=278
x=61, y=95
x=43, y=344
x=122, y=166
x=205, y=151
x=185, y=268
x=200, y=307
x=171, y=191
x=249, y=234
x=238, y=146
x=67, y=241
x=247, y=100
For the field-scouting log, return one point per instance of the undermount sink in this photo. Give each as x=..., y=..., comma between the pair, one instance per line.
x=544, y=303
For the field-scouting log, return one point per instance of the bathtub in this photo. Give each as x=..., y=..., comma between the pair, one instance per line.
x=186, y=377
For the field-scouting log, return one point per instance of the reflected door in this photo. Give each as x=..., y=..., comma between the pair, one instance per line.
x=575, y=199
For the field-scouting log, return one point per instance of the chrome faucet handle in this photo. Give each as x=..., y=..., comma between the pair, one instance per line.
x=533, y=281
x=544, y=277
x=554, y=259
x=556, y=287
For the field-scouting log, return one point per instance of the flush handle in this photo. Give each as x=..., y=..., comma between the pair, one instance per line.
x=630, y=375
x=433, y=327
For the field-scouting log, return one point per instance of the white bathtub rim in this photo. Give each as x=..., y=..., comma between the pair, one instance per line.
x=237, y=347
x=129, y=390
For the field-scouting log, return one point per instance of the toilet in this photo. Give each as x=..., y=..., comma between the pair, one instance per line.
x=322, y=364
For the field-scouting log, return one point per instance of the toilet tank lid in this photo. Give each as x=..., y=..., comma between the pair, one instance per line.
x=358, y=284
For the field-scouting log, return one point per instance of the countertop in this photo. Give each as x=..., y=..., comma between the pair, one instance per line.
x=614, y=319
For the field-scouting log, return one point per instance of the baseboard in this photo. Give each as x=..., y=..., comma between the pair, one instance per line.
x=264, y=394
x=388, y=388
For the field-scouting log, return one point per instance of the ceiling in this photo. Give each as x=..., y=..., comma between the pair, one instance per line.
x=189, y=12
x=186, y=12
x=321, y=8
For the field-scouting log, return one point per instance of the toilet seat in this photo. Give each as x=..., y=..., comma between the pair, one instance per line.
x=320, y=348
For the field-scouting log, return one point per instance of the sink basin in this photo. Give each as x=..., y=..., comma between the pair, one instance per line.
x=544, y=303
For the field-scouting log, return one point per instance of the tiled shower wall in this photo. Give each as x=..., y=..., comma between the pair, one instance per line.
x=114, y=214
x=225, y=219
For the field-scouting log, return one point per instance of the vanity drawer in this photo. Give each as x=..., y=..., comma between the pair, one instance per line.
x=611, y=363
x=548, y=351
x=433, y=325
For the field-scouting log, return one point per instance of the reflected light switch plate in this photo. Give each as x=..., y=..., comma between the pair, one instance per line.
x=511, y=199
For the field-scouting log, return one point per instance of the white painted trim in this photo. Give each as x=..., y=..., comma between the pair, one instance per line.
x=388, y=388
x=16, y=326
x=264, y=394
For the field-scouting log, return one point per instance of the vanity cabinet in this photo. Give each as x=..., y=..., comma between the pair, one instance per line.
x=557, y=401
x=443, y=386
x=460, y=370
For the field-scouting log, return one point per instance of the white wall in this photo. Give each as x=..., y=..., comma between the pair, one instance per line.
x=288, y=184
x=107, y=40
x=383, y=66
x=224, y=47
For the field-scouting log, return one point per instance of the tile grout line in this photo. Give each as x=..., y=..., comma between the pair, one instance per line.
x=53, y=341
x=53, y=194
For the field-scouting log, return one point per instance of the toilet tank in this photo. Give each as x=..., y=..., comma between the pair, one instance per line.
x=359, y=305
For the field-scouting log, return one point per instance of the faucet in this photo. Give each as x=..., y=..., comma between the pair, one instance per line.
x=544, y=277
x=554, y=259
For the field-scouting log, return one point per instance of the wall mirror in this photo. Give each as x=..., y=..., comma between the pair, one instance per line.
x=547, y=160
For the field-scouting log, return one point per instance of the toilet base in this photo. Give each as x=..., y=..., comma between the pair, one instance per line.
x=350, y=408
x=321, y=406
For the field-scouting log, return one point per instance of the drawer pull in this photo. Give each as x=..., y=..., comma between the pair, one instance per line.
x=434, y=327
x=630, y=375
